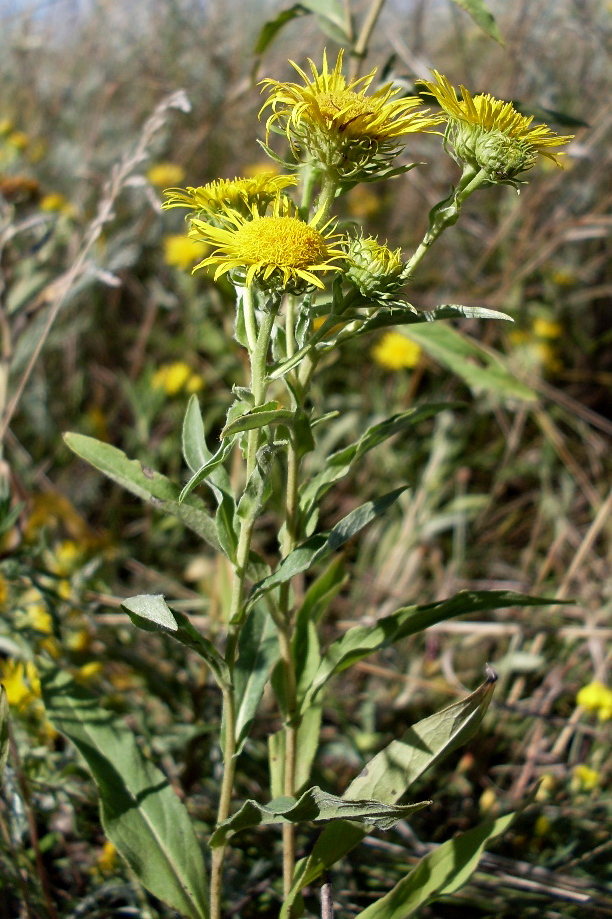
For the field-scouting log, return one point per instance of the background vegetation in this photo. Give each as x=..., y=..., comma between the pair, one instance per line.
x=105, y=332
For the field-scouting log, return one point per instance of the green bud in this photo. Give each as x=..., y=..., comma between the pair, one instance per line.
x=376, y=271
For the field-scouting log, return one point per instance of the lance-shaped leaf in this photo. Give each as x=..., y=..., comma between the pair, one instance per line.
x=362, y=640
x=144, y=483
x=258, y=651
x=141, y=814
x=340, y=463
x=322, y=544
x=4, y=730
x=207, y=468
x=258, y=417
x=481, y=368
x=151, y=613
x=390, y=774
x=440, y=873
x=197, y=454
x=479, y=12
x=315, y=805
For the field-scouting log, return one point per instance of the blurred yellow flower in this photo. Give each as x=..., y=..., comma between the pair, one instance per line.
x=564, y=278
x=108, y=857
x=396, y=352
x=18, y=139
x=585, y=779
x=66, y=558
x=54, y=202
x=6, y=126
x=547, y=328
x=264, y=168
x=183, y=252
x=78, y=641
x=176, y=377
x=363, y=202
x=20, y=679
x=596, y=697
x=164, y=174
x=4, y=591
x=89, y=672
x=542, y=826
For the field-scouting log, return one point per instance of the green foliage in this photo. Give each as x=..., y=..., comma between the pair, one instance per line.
x=141, y=814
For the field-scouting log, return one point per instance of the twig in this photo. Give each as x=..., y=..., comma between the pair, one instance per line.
x=117, y=181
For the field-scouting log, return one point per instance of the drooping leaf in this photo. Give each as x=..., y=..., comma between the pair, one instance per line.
x=389, y=775
x=141, y=814
x=485, y=20
x=272, y=27
x=258, y=651
x=314, y=805
x=322, y=544
x=441, y=872
x=483, y=369
x=4, y=730
x=258, y=417
x=363, y=640
x=152, y=614
x=207, y=468
x=151, y=486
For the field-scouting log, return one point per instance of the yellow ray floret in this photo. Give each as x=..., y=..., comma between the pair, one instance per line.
x=274, y=247
x=493, y=115
x=328, y=104
x=239, y=193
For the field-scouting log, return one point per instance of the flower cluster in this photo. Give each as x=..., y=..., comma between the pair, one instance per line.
x=596, y=697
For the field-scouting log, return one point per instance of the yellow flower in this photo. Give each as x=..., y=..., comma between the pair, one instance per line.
x=164, y=174
x=18, y=139
x=596, y=697
x=584, y=778
x=396, y=352
x=546, y=328
x=183, y=252
x=490, y=134
x=173, y=378
x=241, y=195
x=20, y=679
x=6, y=126
x=274, y=250
x=89, y=672
x=54, y=202
x=107, y=859
x=263, y=168
x=338, y=123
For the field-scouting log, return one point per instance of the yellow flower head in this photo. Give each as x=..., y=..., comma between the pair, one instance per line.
x=490, y=134
x=584, y=778
x=275, y=251
x=338, y=123
x=208, y=201
x=596, y=697
x=377, y=271
x=21, y=681
x=164, y=174
x=396, y=352
x=176, y=377
x=183, y=252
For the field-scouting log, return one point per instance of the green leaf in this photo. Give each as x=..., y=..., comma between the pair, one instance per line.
x=340, y=463
x=207, y=468
x=389, y=775
x=313, y=806
x=363, y=640
x=151, y=613
x=481, y=368
x=141, y=814
x=259, y=487
x=4, y=730
x=258, y=651
x=271, y=28
x=153, y=608
x=322, y=544
x=259, y=417
x=441, y=872
x=482, y=17
x=151, y=486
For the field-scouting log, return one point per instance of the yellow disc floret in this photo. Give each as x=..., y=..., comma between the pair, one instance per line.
x=273, y=250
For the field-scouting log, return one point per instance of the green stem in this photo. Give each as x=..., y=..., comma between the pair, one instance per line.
x=327, y=198
x=360, y=47
x=259, y=385
x=444, y=215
